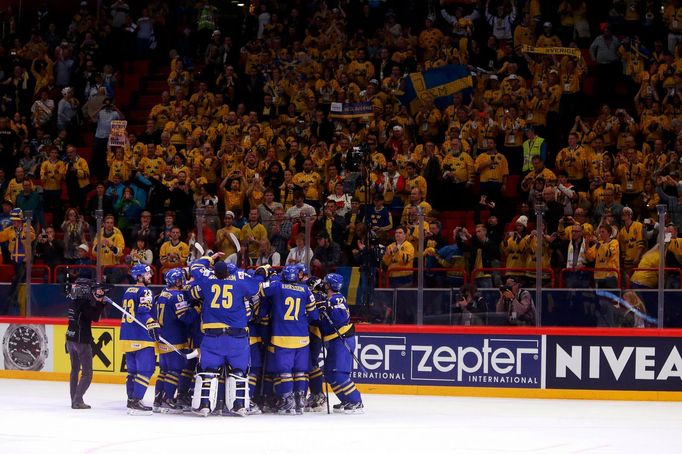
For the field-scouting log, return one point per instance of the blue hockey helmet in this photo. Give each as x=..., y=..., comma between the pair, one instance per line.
x=175, y=277
x=302, y=268
x=138, y=270
x=290, y=273
x=334, y=281
x=231, y=268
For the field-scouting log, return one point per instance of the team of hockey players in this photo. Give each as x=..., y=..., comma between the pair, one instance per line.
x=259, y=335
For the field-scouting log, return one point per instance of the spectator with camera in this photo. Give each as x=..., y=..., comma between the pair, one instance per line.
x=86, y=303
x=516, y=303
x=49, y=249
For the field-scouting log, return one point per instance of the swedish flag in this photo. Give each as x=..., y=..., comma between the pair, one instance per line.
x=439, y=83
x=353, y=284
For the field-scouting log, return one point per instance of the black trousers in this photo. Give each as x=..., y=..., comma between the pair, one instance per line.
x=81, y=360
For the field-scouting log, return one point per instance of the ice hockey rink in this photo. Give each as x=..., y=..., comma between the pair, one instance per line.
x=35, y=417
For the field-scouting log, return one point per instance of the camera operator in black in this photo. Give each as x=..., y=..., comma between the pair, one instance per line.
x=85, y=306
x=469, y=306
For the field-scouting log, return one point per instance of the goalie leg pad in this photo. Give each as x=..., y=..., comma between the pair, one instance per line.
x=237, y=391
x=205, y=391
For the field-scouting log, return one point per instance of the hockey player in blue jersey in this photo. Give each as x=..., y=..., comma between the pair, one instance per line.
x=303, y=272
x=316, y=400
x=335, y=319
x=138, y=343
x=258, y=338
x=290, y=305
x=191, y=318
x=225, y=314
x=171, y=305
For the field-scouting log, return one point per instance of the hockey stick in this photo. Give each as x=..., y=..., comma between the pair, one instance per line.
x=326, y=385
x=191, y=355
x=345, y=344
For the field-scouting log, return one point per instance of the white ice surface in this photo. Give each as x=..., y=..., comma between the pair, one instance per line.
x=35, y=417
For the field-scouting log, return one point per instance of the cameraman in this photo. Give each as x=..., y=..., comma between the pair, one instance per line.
x=469, y=306
x=517, y=303
x=85, y=306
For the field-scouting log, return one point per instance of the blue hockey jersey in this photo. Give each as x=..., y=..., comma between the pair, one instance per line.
x=139, y=302
x=340, y=316
x=224, y=302
x=170, y=306
x=289, y=306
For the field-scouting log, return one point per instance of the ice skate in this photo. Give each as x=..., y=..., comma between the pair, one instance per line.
x=315, y=403
x=137, y=408
x=286, y=405
x=352, y=408
x=170, y=406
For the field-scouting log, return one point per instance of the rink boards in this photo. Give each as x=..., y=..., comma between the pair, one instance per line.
x=628, y=364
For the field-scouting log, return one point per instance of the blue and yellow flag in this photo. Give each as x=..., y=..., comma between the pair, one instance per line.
x=439, y=83
x=353, y=284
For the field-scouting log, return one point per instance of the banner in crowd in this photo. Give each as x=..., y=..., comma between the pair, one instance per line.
x=118, y=136
x=570, y=51
x=439, y=83
x=351, y=110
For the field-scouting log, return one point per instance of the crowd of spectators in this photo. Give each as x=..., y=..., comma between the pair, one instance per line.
x=243, y=136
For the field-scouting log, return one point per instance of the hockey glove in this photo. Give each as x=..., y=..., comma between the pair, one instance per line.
x=153, y=328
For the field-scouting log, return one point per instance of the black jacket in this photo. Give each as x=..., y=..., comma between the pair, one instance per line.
x=81, y=313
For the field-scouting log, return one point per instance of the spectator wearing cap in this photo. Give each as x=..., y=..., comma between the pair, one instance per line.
x=17, y=235
x=67, y=112
x=82, y=262
x=224, y=242
x=548, y=38
x=327, y=254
